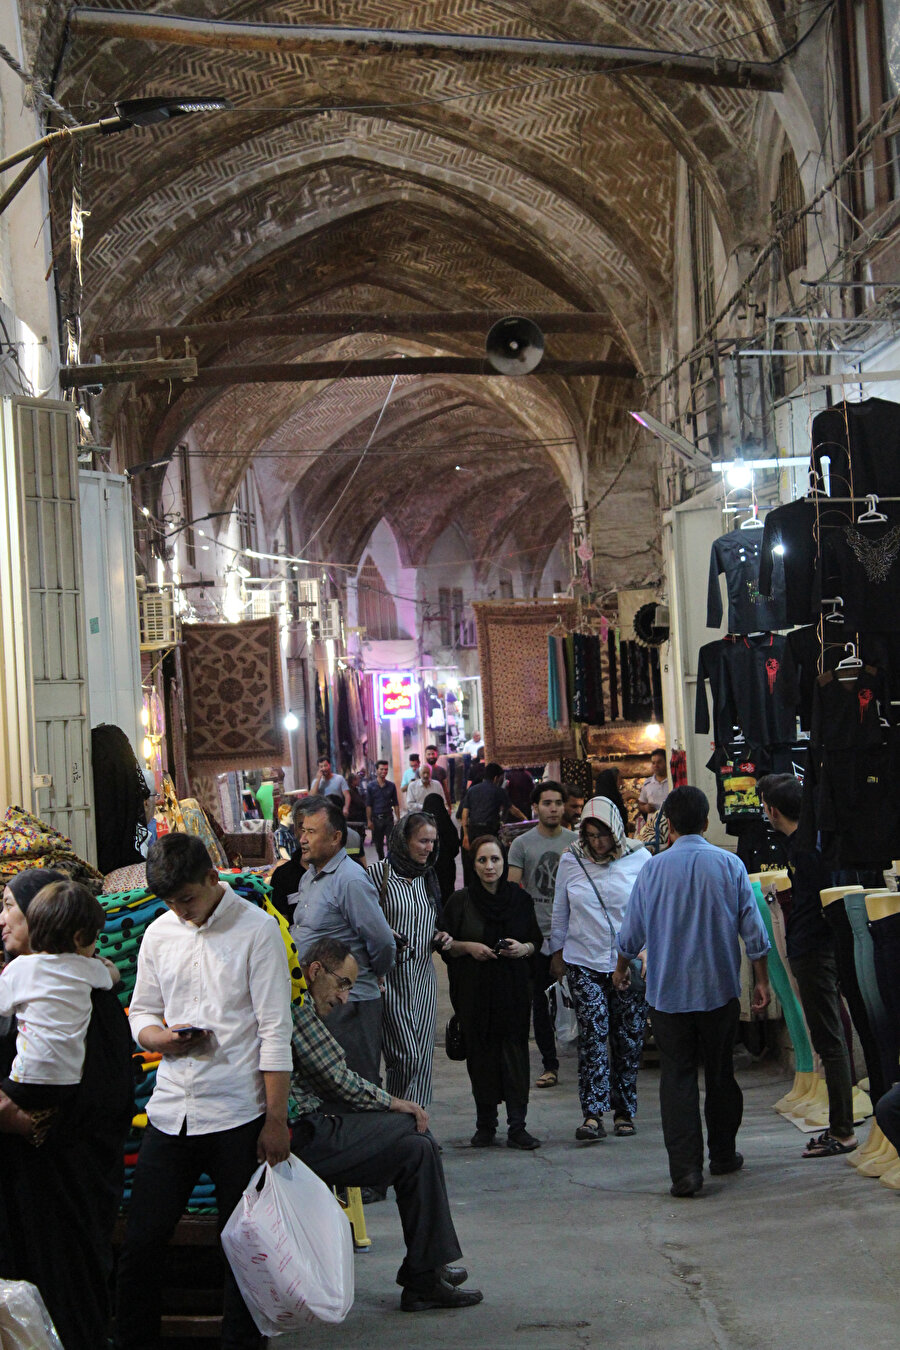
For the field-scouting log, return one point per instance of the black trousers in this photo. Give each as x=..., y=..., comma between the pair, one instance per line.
x=381, y=827
x=167, y=1170
x=381, y=1150
x=544, y=1030
x=887, y=1113
x=817, y=980
x=686, y=1041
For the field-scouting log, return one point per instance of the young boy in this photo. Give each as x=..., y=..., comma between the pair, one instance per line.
x=50, y=993
x=212, y=996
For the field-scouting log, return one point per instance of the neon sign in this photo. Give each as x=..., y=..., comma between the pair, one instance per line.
x=396, y=694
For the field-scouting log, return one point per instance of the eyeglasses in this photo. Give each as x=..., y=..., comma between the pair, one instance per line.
x=342, y=982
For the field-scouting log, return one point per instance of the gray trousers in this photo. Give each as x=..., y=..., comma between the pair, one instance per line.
x=381, y=1150
x=357, y=1029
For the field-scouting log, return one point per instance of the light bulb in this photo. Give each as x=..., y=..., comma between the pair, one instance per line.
x=291, y=722
x=145, y=717
x=147, y=749
x=738, y=475
x=652, y=729
x=779, y=549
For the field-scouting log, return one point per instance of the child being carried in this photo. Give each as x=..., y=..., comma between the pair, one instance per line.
x=50, y=993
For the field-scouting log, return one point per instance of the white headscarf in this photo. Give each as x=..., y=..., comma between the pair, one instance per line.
x=605, y=813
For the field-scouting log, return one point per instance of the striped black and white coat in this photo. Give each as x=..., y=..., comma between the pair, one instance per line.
x=410, y=992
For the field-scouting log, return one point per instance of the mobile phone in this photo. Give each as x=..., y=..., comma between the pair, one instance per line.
x=189, y=1031
x=502, y=945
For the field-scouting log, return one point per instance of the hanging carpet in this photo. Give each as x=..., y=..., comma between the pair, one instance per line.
x=234, y=707
x=512, y=653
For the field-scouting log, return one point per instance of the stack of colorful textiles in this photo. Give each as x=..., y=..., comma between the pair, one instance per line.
x=128, y=914
x=26, y=841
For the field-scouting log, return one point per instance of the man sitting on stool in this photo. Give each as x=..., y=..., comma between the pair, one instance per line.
x=362, y=1150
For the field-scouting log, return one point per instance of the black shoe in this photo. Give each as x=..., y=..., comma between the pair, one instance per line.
x=454, y=1275
x=371, y=1195
x=483, y=1137
x=687, y=1185
x=520, y=1138
x=438, y=1294
x=732, y=1164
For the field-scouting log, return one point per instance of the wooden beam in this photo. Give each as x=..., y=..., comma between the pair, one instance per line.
x=337, y=324
x=306, y=39
x=75, y=377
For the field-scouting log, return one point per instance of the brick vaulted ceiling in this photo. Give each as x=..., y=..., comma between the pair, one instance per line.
x=385, y=182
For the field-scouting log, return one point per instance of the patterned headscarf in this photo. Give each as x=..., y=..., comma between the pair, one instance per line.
x=402, y=861
x=602, y=810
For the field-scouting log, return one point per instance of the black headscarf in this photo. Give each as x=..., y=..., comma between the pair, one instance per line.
x=27, y=884
x=496, y=909
x=448, y=839
x=402, y=861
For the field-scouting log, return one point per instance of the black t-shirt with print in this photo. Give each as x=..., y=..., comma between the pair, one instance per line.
x=861, y=563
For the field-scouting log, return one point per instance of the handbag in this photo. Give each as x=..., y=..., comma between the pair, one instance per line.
x=454, y=1040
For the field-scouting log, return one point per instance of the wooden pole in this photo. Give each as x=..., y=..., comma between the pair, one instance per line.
x=305, y=39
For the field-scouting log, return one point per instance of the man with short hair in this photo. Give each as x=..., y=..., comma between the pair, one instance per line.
x=212, y=996
x=338, y=899
x=688, y=908
x=484, y=804
x=365, y=1146
x=411, y=772
x=810, y=951
x=655, y=789
x=326, y=783
x=438, y=772
x=533, y=859
x=473, y=744
x=574, y=805
x=382, y=808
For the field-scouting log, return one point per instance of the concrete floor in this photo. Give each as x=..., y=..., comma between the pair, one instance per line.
x=580, y=1246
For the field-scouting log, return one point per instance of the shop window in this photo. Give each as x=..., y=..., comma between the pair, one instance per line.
x=789, y=197
x=375, y=606
x=450, y=615
x=870, y=31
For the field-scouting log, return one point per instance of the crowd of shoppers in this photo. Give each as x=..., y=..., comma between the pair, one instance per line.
x=245, y=1076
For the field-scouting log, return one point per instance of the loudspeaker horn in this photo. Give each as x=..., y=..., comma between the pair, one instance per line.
x=514, y=346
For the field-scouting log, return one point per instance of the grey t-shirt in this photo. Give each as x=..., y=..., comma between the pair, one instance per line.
x=538, y=856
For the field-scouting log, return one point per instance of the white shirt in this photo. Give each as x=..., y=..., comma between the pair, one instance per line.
x=654, y=792
x=472, y=747
x=50, y=994
x=229, y=977
x=416, y=793
x=579, y=927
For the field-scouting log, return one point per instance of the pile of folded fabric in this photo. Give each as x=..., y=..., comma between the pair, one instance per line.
x=26, y=841
x=128, y=914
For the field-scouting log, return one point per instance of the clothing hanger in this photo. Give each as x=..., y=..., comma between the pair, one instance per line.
x=871, y=515
x=753, y=521
x=837, y=609
x=851, y=660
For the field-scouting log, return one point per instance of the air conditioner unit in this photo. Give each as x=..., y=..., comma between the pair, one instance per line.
x=158, y=621
x=467, y=636
x=330, y=621
x=260, y=604
x=308, y=600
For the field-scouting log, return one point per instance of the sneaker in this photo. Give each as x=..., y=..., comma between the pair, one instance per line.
x=483, y=1137
x=437, y=1294
x=520, y=1138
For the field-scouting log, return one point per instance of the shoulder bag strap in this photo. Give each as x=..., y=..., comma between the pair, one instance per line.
x=598, y=895
x=385, y=879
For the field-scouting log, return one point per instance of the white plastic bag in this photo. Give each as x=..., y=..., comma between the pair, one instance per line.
x=290, y=1247
x=565, y=1021
x=24, y=1321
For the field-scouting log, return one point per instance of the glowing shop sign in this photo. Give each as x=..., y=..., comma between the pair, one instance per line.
x=396, y=694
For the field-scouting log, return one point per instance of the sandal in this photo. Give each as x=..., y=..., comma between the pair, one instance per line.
x=624, y=1127
x=591, y=1129
x=826, y=1146
x=549, y=1078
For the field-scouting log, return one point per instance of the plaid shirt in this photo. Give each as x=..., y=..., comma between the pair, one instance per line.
x=320, y=1069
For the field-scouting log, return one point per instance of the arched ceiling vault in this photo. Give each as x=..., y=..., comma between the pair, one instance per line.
x=373, y=181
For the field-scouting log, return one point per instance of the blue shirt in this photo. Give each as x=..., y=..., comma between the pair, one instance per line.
x=688, y=907
x=340, y=901
x=381, y=800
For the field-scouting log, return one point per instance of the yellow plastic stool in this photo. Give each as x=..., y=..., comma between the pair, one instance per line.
x=353, y=1208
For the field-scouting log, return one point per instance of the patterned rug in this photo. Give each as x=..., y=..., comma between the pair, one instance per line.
x=234, y=706
x=512, y=652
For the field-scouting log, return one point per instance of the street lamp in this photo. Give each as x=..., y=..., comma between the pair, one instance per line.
x=134, y=112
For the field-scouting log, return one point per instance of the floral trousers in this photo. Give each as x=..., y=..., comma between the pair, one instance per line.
x=610, y=1042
